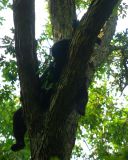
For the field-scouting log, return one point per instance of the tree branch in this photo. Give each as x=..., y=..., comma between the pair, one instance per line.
x=62, y=116
x=80, y=53
x=62, y=27
x=24, y=21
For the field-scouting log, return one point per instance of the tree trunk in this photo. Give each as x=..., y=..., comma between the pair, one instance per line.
x=62, y=13
x=52, y=134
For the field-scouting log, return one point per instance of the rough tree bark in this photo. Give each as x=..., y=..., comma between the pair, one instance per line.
x=52, y=134
x=62, y=13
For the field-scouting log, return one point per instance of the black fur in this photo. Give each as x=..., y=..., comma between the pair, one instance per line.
x=60, y=53
x=82, y=97
x=19, y=130
x=52, y=74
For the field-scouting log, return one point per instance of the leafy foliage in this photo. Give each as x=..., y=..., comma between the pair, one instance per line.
x=119, y=60
x=104, y=127
x=82, y=4
x=9, y=103
x=123, y=9
x=4, y=4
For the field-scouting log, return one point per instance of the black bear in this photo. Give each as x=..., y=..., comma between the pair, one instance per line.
x=19, y=130
x=48, y=81
x=60, y=53
x=50, y=77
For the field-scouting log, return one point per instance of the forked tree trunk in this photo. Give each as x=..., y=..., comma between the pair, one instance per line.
x=52, y=134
